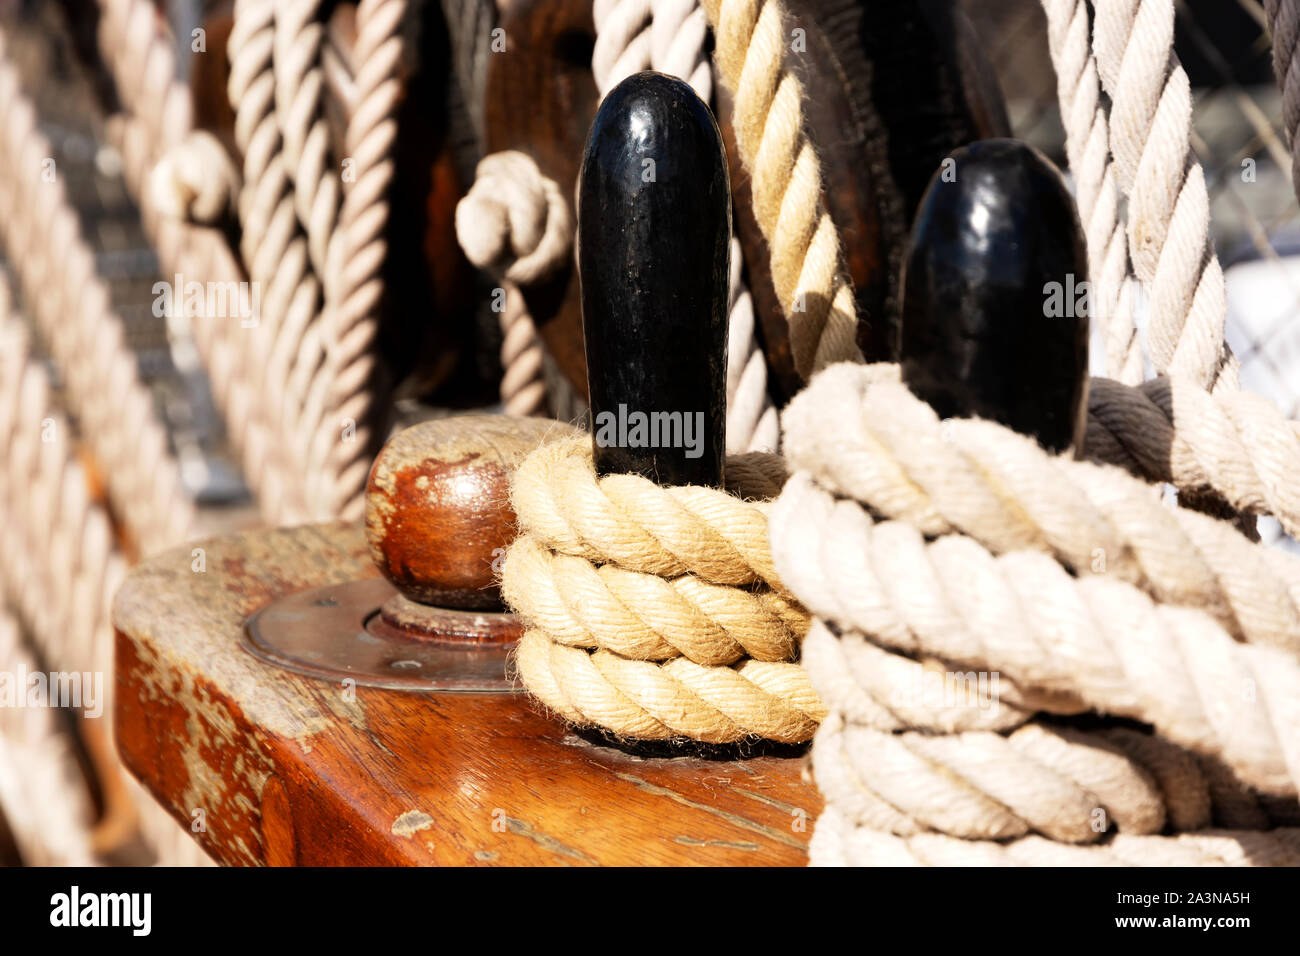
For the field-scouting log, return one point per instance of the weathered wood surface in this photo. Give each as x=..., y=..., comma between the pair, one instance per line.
x=281, y=769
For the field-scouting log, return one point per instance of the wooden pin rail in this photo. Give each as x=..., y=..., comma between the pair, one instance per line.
x=267, y=767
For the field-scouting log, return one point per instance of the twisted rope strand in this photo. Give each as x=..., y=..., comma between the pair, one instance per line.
x=56, y=268
x=631, y=522
x=1284, y=24
x=806, y=262
x=651, y=700
x=298, y=40
x=644, y=616
x=1234, y=444
x=861, y=433
x=1169, y=208
x=678, y=32
x=1087, y=146
x=1092, y=642
x=355, y=393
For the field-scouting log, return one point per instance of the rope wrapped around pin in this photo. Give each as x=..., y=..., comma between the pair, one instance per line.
x=655, y=612
x=932, y=552
x=642, y=569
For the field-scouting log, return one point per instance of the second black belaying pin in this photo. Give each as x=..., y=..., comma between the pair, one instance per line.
x=654, y=228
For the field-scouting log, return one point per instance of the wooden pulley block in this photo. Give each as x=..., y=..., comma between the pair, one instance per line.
x=891, y=88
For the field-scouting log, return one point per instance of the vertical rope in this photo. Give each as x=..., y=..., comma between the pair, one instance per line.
x=356, y=402
x=1169, y=208
x=1284, y=23
x=806, y=263
x=1097, y=193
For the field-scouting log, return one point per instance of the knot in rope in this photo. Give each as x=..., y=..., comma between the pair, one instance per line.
x=195, y=181
x=514, y=222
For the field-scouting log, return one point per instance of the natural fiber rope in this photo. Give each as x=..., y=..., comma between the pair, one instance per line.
x=806, y=263
x=622, y=41
x=1087, y=145
x=273, y=246
x=646, y=634
x=1066, y=643
x=649, y=700
x=1284, y=24
x=678, y=33
x=862, y=434
x=669, y=36
x=196, y=181
x=1168, y=205
x=1060, y=644
x=629, y=521
x=1234, y=444
x=298, y=39
x=43, y=794
x=139, y=54
x=56, y=268
x=356, y=394
x=836, y=842
x=515, y=224
x=45, y=507
x=644, y=616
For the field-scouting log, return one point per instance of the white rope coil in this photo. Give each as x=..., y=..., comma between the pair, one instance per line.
x=909, y=585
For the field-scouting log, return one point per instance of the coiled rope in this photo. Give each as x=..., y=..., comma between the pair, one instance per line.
x=1067, y=579
x=655, y=612
x=869, y=539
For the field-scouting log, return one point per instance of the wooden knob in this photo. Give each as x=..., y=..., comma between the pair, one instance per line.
x=654, y=230
x=438, y=514
x=995, y=304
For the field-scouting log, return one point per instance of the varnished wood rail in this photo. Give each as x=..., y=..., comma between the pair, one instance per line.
x=268, y=767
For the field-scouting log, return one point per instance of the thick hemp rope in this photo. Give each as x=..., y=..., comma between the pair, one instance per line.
x=43, y=794
x=357, y=400
x=863, y=435
x=45, y=507
x=655, y=612
x=806, y=261
x=1168, y=206
x=71, y=306
x=273, y=246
